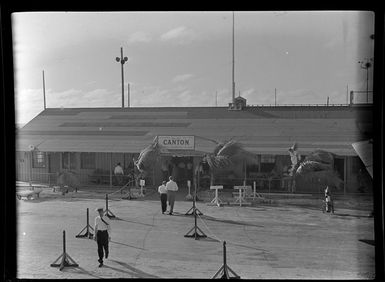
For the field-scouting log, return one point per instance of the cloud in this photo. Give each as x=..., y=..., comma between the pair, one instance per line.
x=29, y=102
x=180, y=35
x=182, y=77
x=139, y=36
x=247, y=93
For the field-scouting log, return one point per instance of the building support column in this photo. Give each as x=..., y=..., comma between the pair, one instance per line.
x=345, y=173
x=30, y=167
x=110, y=170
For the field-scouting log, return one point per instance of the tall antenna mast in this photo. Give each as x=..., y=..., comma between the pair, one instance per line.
x=128, y=95
x=216, y=98
x=44, y=91
x=233, y=65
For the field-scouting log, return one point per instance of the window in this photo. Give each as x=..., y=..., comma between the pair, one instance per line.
x=87, y=160
x=267, y=159
x=267, y=163
x=38, y=159
x=68, y=160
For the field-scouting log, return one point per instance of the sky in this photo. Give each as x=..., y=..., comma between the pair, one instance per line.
x=179, y=59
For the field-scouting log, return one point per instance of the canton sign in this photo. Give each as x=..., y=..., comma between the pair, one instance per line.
x=177, y=142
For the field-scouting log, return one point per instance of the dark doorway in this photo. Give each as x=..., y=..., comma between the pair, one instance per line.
x=339, y=166
x=182, y=169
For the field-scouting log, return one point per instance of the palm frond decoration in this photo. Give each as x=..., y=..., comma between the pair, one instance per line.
x=227, y=153
x=326, y=177
x=218, y=148
x=149, y=155
x=321, y=156
x=318, y=165
x=295, y=158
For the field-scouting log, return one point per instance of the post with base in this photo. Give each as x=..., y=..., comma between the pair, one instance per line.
x=189, y=197
x=194, y=231
x=223, y=272
x=216, y=201
x=88, y=227
x=108, y=213
x=66, y=260
x=141, y=183
x=194, y=209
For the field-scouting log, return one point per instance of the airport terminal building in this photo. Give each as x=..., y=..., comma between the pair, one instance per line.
x=90, y=141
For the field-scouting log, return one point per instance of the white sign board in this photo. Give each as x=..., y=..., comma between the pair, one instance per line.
x=216, y=187
x=142, y=182
x=242, y=187
x=177, y=142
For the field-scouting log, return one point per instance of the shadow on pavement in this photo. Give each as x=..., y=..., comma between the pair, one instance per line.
x=136, y=222
x=352, y=215
x=209, y=239
x=134, y=271
x=369, y=242
x=229, y=221
x=127, y=245
x=80, y=270
x=117, y=269
x=247, y=247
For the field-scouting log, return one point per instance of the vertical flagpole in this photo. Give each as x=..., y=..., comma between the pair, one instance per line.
x=275, y=96
x=128, y=94
x=44, y=91
x=122, y=62
x=233, y=86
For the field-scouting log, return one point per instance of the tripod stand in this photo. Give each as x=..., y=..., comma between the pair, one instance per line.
x=225, y=269
x=88, y=233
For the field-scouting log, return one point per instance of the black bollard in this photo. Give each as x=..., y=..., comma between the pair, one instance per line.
x=225, y=269
x=195, y=229
x=66, y=260
x=88, y=233
x=108, y=213
x=194, y=208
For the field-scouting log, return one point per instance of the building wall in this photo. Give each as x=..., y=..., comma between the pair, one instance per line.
x=356, y=177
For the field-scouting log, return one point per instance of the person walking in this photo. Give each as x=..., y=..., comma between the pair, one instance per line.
x=171, y=188
x=118, y=171
x=163, y=196
x=102, y=234
x=328, y=200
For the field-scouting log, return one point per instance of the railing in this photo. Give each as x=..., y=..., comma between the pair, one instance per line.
x=298, y=105
x=85, y=179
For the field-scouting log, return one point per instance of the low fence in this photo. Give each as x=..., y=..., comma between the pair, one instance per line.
x=51, y=179
x=261, y=184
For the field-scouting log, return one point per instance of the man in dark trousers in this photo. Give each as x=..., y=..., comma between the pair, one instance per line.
x=102, y=234
x=171, y=188
x=163, y=196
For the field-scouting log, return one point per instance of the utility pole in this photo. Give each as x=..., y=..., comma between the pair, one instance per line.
x=233, y=66
x=128, y=94
x=275, y=96
x=366, y=65
x=347, y=94
x=216, y=98
x=122, y=60
x=44, y=91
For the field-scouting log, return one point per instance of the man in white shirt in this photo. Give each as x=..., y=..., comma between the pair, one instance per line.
x=171, y=188
x=102, y=234
x=163, y=196
x=118, y=171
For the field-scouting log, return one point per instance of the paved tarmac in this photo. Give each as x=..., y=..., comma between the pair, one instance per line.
x=280, y=240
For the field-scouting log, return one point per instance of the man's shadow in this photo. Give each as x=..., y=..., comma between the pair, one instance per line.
x=135, y=272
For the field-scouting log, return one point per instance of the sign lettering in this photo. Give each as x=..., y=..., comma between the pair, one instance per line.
x=177, y=142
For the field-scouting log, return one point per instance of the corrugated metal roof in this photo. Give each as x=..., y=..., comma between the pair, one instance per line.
x=267, y=130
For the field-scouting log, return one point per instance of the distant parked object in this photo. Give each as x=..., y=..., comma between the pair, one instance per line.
x=68, y=181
